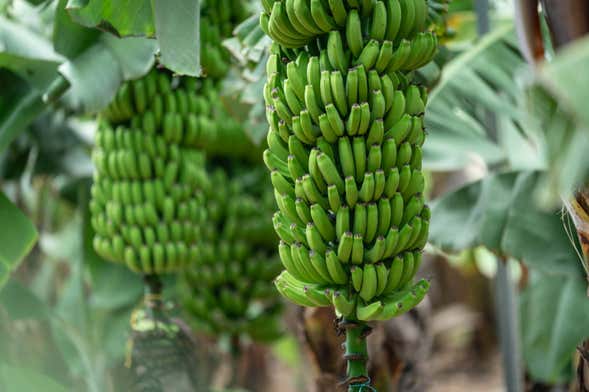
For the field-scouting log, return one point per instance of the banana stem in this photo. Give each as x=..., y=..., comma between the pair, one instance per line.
x=235, y=352
x=356, y=354
x=153, y=296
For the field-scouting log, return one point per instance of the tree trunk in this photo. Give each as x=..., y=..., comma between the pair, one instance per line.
x=567, y=20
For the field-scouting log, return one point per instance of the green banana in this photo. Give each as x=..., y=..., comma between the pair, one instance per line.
x=341, y=90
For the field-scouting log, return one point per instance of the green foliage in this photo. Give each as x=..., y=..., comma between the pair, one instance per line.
x=496, y=212
x=18, y=379
x=19, y=106
x=554, y=101
x=175, y=23
x=554, y=315
x=49, y=57
x=500, y=211
x=17, y=237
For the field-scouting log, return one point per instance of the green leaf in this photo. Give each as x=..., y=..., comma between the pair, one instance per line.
x=96, y=73
x=475, y=83
x=27, y=53
x=178, y=33
x=20, y=104
x=555, y=319
x=497, y=212
x=19, y=379
x=175, y=21
x=555, y=102
x=562, y=78
x=135, y=55
x=121, y=18
x=20, y=303
x=17, y=237
x=70, y=38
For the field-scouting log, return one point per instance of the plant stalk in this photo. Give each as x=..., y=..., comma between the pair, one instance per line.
x=235, y=353
x=505, y=298
x=356, y=354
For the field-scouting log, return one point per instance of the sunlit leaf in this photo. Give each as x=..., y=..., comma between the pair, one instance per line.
x=178, y=34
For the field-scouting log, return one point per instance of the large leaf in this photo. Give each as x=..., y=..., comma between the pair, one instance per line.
x=178, y=33
x=97, y=72
x=478, y=82
x=70, y=38
x=558, y=114
x=555, y=319
x=122, y=18
x=497, y=212
x=19, y=379
x=21, y=303
x=175, y=23
x=27, y=53
x=17, y=237
x=20, y=104
x=563, y=79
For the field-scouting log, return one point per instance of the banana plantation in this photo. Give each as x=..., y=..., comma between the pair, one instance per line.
x=294, y=195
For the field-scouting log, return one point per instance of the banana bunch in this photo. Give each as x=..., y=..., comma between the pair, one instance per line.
x=345, y=151
x=437, y=11
x=229, y=289
x=218, y=19
x=147, y=200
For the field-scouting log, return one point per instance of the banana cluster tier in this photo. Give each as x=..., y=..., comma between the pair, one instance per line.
x=147, y=201
x=344, y=150
x=229, y=290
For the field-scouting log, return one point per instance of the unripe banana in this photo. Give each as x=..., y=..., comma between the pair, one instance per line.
x=354, y=33
x=344, y=250
x=369, y=312
x=369, y=282
x=357, y=277
x=355, y=113
x=343, y=305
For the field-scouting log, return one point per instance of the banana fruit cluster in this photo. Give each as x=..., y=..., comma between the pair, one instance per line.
x=218, y=19
x=344, y=150
x=147, y=202
x=229, y=290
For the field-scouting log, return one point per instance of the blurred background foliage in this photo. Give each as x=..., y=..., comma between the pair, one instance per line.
x=505, y=142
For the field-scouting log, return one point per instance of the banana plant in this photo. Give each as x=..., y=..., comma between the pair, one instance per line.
x=519, y=160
